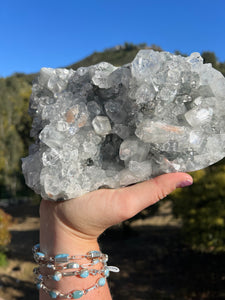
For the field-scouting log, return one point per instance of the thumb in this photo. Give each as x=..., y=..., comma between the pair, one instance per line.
x=135, y=198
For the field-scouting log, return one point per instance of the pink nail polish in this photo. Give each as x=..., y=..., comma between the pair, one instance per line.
x=184, y=183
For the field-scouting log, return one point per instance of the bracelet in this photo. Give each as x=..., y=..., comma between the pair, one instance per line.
x=40, y=258
x=63, y=261
x=74, y=294
x=70, y=265
x=83, y=273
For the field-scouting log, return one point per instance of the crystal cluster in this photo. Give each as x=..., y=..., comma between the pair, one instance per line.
x=103, y=126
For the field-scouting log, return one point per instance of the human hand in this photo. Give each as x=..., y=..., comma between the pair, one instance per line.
x=73, y=226
x=86, y=217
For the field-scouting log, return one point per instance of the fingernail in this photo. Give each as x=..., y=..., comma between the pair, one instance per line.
x=184, y=183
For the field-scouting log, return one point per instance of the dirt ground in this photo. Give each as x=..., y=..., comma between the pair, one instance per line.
x=154, y=263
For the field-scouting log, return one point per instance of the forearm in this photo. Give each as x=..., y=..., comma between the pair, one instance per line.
x=55, y=238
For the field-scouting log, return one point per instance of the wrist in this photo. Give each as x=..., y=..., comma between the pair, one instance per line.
x=56, y=237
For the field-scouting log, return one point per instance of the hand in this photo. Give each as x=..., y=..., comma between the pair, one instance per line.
x=86, y=217
x=73, y=226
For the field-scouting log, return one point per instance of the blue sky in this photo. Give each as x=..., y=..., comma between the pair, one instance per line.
x=55, y=33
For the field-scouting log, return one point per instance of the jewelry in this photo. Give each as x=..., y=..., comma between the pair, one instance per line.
x=64, y=261
x=94, y=256
x=83, y=273
x=74, y=294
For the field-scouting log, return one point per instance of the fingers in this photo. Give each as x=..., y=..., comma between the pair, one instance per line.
x=131, y=200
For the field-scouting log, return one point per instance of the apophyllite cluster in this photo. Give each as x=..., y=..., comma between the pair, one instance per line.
x=106, y=126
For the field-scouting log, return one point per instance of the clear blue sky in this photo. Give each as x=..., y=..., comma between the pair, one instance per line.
x=55, y=33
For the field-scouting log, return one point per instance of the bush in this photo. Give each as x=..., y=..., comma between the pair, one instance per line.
x=5, y=236
x=3, y=259
x=202, y=209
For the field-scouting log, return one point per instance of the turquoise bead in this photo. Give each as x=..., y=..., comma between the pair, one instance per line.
x=50, y=266
x=53, y=294
x=73, y=266
x=95, y=261
x=57, y=276
x=40, y=277
x=63, y=257
x=94, y=254
x=106, y=272
x=105, y=258
x=84, y=273
x=39, y=254
x=101, y=281
x=38, y=285
x=36, y=247
x=77, y=294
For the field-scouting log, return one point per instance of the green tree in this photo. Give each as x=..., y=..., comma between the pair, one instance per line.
x=202, y=209
x=5, y=236
x=14, y=131
x=209, y=57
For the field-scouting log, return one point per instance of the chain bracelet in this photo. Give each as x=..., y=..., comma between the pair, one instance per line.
x=64, y=261
x=74, y=294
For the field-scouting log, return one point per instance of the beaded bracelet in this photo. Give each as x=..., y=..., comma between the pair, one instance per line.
x=64, y=262
x=40, y=258
x=83, y=273
x=74, y=294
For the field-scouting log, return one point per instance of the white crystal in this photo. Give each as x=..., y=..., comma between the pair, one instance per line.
x=194, y=58
x=145, y=93
x=101, y=73
x=142, y=169
x=121, y=130
x=51, y=137
x=56, y=80
x=127, y=177
x=115, y=111
x=158, y=132
x=103, y=126
x=50, y=157
x=62, y=126
x=199, y=116
x=167, y=93
x=93, y=108
x=145, y=63
x=131, y=149
x=196, y=139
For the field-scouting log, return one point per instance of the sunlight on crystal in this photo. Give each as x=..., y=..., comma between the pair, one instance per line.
x=114, y=126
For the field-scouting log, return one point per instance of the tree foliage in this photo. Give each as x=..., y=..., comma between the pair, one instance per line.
x=202, y=209
x=14, y=131
x=5, y=236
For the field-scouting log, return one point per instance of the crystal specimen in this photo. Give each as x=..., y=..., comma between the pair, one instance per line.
x=104, y=126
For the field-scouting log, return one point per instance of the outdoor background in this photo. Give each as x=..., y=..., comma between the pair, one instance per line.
x=173, y=250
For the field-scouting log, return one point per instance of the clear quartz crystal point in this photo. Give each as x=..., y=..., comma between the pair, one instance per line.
x=105, y=126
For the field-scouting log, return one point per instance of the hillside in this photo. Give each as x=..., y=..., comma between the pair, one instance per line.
x=117, y=56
